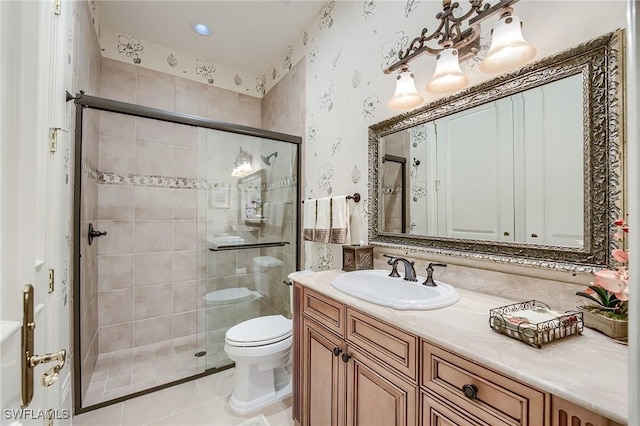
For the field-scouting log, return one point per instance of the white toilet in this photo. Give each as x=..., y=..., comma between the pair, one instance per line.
x=261, y=349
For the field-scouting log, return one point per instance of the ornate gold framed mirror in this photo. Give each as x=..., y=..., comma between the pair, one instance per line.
x=525, y=168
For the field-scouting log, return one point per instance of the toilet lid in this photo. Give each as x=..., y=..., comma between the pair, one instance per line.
x=229, y=295
x=260, y=331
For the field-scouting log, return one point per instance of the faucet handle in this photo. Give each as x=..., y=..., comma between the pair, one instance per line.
x=429, y=281
x=393, y=261
x=431, y=265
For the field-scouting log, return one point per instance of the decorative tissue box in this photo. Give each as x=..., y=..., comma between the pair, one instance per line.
x=535, y=323
x=356, y=257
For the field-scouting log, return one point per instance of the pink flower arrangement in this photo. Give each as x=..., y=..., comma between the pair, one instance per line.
x=610, y=290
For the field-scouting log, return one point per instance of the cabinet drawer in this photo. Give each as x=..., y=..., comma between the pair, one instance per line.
x=498, y=399
x=387, y=344
x=324, y=310
x=438, y=413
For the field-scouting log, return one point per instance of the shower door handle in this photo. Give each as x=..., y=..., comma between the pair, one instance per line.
x=92, y=233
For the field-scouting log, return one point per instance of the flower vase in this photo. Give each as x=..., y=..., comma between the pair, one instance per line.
x=614, y=328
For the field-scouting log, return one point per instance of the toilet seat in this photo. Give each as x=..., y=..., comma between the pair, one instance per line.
x=260, y=331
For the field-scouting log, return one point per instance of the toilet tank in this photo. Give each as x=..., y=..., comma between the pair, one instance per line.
x=264, y=269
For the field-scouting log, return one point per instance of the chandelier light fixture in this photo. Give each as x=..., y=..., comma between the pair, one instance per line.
x=454, y=45
x=242, y=165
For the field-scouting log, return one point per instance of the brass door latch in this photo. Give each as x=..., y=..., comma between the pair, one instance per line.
x=30, y=361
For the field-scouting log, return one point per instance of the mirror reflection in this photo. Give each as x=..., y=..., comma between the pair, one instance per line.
x=526, y=168
x=509, y=170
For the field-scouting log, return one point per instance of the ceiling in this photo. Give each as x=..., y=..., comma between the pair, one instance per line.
x=249, y=36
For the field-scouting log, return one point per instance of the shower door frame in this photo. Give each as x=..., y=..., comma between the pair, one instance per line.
x=83, y=101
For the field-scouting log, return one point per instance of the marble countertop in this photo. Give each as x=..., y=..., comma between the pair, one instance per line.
x=590, y=370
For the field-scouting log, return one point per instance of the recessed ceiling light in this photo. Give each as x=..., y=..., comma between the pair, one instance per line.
x=200, y=28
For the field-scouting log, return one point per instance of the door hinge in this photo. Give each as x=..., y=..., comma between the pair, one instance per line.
x=52, y=275
x=57, y=7
x=53, y=139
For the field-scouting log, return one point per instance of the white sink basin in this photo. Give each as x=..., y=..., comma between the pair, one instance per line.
x=376, y=286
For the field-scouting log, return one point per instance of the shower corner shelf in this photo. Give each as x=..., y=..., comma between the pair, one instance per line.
x=255, y=222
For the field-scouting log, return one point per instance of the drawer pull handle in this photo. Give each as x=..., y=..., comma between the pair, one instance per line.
x=336, y=351
x=470, y=391
x=346, y=357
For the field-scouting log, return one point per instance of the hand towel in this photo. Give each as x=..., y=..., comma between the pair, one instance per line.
x=323, y=220
x=277, y=211
x=309, y=219
x=267, y=215
x=339, y=221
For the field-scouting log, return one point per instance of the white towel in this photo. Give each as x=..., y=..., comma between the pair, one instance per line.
x=340, y=221
x=309, y=219
x=277, y=211
x=274, y=216
x=267, y=215
x=323, y=220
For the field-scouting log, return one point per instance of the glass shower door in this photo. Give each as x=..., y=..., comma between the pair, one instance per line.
x=247, y=228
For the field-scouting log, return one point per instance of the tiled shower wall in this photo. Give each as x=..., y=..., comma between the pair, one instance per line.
x=149, y=289
x=283, y=110
x=86, y=76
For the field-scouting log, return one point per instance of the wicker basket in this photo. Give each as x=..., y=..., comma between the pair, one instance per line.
x=535, y=323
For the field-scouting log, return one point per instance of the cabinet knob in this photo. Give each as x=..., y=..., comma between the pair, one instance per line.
x=534, y=235
x=506, y=233
x=470, y=391
x=346, y=357
x=336, y=351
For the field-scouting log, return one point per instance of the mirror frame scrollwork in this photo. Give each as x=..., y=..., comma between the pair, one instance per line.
x=600, y=62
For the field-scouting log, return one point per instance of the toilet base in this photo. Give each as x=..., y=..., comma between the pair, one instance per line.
x=282, y=389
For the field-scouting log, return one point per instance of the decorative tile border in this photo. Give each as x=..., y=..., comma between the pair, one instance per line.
x=285, y=182
x=90, y=171
x=110, y=178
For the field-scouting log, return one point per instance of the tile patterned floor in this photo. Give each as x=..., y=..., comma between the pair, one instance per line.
x=123, y=372
x=204, y=401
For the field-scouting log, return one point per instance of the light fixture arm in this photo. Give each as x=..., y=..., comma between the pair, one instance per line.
x=449, y=32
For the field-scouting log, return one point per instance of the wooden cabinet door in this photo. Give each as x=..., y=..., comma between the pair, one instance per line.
x=565, y=413
x=376, y=396
x=323, y=377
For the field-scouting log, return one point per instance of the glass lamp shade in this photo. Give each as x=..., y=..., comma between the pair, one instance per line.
x=242, y=169
x=406, y=95
x=509, y=50
x=448, y=76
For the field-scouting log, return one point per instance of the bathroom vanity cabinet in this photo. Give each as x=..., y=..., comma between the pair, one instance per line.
x=344, y=377
x=355, y=369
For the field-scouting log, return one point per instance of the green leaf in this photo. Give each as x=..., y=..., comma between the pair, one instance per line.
x=588, y=296
x=604, y=295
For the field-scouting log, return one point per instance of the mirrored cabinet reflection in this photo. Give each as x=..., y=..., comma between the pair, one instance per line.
x=509, y=170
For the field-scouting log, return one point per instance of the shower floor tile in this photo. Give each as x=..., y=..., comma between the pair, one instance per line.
x=123, y=372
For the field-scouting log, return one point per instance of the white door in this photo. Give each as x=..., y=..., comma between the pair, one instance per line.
x=476, y=186
x=34, y=197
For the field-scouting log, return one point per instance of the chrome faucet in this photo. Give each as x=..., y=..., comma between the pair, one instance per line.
x=409, y=270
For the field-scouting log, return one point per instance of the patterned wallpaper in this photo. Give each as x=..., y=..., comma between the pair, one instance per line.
x=132, y=49
x=346, y=47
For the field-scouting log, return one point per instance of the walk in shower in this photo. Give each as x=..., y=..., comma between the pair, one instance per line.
x=184, y=227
